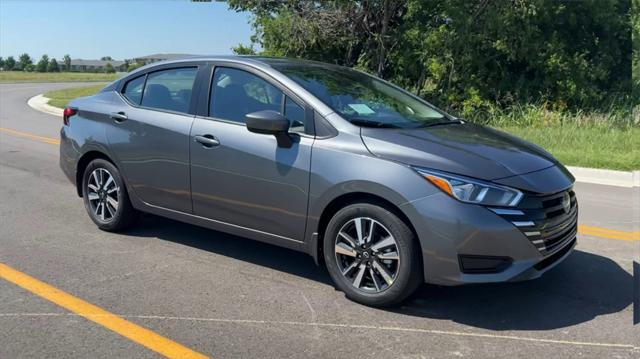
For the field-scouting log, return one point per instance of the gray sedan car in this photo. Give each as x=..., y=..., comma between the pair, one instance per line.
x=380, y=186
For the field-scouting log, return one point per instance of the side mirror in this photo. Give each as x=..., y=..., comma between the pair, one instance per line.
x=270, y=123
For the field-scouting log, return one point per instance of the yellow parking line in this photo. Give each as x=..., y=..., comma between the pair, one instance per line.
x=49, y=140
x=609, y=233
x=134, y=332
x=586, y=230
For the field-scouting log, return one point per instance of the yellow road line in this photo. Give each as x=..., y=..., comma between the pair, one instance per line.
x=134, y=332
x=49, y=140
x=609, y=233
x=586, y=230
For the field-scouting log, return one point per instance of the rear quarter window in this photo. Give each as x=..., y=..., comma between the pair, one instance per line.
x=133, y=90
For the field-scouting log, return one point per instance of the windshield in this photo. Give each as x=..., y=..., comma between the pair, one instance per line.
x=362, y=99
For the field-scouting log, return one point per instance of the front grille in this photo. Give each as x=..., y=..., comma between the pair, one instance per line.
x=546, y=220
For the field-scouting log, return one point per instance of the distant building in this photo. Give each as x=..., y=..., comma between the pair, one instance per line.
x=79, y=65
x=144, y=60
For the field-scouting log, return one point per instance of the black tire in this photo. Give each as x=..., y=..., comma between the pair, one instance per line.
x=125, y=215
x=408, y=275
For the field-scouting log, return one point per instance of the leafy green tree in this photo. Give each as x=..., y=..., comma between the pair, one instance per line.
x=9, y=63
x=109, y=68
x=24, y=60
x=470, y=56
x=106, y=58
x=243, y=50
x=42, y=65
x=67, y=62
x=1, y=63
x=53, y=66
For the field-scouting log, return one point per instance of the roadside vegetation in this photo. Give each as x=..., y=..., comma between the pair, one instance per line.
x=25, y=69
x=60, y=98
x=21, y=76
x=555, y=72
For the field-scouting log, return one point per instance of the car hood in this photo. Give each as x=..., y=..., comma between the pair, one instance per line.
x=465, y=149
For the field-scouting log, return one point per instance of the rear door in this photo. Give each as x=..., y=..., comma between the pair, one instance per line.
x=149, y=134
x=243, y=178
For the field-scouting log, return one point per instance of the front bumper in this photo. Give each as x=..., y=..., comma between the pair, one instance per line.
x=463, y=243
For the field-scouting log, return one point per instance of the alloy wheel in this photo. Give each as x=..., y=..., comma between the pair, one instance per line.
x=367, y=254
x=103, y=194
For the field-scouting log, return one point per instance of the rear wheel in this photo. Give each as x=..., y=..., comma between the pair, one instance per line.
x=105, y=197
x=372, y=255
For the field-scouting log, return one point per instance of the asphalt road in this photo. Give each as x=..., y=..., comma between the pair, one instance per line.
x=229, y=297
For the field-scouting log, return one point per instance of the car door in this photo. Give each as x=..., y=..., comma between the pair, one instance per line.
x=149, y=135
x=242, y=178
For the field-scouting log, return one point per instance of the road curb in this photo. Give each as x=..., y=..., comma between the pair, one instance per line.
x=606, y=177
x=582, y=174
x=40, y=103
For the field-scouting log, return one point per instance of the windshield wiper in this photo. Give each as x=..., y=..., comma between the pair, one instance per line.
x=442, y=123
x=370, y=123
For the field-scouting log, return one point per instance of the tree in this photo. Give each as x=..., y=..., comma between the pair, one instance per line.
x=106, y=58
x=42, y=65
x=9, y=63
x=109, y=68
x=133, y=66
x=53, y=66
x=1, y=63
x=468, y=56
x=243, y=50
x=67, y=62
x=23, y=62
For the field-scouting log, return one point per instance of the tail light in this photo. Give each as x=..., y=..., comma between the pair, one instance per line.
x=68, y=112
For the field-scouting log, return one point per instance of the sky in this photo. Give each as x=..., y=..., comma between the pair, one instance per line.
x=122, y=29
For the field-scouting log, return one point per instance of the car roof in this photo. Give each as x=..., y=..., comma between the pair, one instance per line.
x=273, y=62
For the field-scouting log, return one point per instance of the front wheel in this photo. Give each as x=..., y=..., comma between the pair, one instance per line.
x=105, y=197
x=372, y=255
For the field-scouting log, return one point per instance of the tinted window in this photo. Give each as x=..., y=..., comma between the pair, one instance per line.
x=236, y=93
x=133, y=90
x=362, y=99
x=170, y=89
x=295, y=114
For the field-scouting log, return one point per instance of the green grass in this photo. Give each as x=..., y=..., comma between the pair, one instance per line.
x=60, y=98
x=20, y=76
x=610, y=140
x=595, y=147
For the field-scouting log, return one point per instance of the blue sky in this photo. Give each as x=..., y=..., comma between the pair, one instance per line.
x=118, y=28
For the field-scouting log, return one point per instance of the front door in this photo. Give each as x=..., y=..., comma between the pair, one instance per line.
x=243, y=178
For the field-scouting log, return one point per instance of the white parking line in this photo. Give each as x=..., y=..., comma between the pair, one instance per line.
x=629, y=347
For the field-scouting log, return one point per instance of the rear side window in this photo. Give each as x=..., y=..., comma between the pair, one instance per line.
x=169, y=89
x=133, y=90
x=235, y=93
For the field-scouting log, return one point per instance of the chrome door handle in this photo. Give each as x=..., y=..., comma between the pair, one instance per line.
x=119, y=116
x=207, y=140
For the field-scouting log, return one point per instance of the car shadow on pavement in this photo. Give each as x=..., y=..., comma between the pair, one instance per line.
x=577, y=290
x=243, y=249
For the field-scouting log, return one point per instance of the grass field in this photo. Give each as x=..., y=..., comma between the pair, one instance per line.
x=584, y=140
x=60, y=98
x=610, y=148
x=20, y=76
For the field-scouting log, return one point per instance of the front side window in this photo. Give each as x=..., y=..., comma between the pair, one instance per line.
x=295, y=114
x=235, y=93
x=169, y=89
x=362, y=99
x=133, y=90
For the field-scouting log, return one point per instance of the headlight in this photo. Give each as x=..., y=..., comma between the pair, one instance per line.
x=473, y=191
